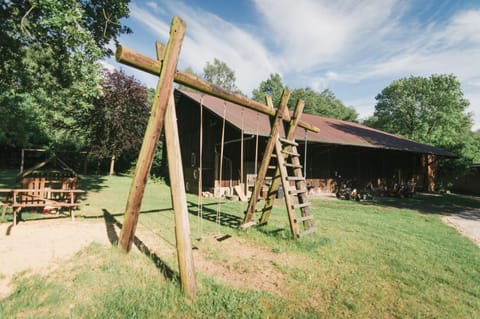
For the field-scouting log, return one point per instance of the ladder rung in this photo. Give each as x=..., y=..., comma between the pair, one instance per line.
x=298, y=191
x=268, y=178
x=295, y=178
x=293, y=165
x=290, y=153
x=273, y=155
x=285, y=141
x=304, y=218
x=301, y=205
x=248, y=225
x=272, y=166
x=307, y=232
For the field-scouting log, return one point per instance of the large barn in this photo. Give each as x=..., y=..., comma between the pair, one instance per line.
x=340, y=150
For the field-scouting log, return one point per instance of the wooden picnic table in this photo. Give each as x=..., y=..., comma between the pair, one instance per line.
x=18, y=198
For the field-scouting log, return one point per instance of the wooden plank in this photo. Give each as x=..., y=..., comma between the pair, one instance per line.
x=4, y=208
x=179, y=201
x=152, y=133
x=241, y=194
x=147, y=64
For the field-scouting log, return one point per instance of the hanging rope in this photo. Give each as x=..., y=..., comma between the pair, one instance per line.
x=221, y=166
x=305, y=156
x=244, y=187
x=241, y=149
x=200, y=176
x=256, y=147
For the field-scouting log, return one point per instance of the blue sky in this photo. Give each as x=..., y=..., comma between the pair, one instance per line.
x=355, y=48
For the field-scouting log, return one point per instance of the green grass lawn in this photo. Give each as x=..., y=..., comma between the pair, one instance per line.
x=388, y=258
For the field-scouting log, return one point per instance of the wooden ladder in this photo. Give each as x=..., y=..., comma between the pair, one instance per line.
x=289, y=169
x=287, y=160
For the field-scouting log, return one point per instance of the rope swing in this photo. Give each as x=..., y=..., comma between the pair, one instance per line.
x=200, y=175
x=220, y=178
x=256, y=148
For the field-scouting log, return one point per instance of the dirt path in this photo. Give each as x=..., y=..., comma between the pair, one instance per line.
x=467, y=223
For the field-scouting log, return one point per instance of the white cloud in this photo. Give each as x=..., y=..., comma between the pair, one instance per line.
x=109, y=66
x=324, y=43
x=212, y=37
x=364, y=106
x=156, y=26
x=463, y=29
x=312, y=33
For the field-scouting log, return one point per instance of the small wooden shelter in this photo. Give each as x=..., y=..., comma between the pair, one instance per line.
x=52, y=173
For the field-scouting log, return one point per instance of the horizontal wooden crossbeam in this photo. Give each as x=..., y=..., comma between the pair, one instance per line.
x=152, y=66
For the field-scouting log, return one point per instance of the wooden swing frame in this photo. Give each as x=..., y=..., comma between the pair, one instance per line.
x=163, y=114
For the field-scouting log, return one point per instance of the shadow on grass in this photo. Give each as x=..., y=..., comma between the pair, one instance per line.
x=7, y=178
x=467, y=207
x=111, y=223
x=26, y=216
x=210, y=214
x=91, y=183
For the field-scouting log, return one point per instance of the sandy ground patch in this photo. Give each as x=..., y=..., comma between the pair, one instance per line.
x=38, y=245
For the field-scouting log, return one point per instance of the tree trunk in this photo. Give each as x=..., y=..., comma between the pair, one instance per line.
x=112, y=165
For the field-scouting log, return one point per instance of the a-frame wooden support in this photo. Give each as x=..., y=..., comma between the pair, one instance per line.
x=262, y=171
x=163, y=109
x=288, y=160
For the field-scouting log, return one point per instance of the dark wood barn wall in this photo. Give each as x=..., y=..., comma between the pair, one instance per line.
x=324, y=162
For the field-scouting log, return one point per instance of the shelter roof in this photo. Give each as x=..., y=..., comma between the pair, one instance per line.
x=332, y=131
x=53, y=157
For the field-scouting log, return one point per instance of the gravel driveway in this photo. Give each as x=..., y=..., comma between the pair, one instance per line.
x=467, y=223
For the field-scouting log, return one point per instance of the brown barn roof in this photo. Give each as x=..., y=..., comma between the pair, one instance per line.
x=332, y=131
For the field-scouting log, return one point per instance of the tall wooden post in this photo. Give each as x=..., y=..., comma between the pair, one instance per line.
x=152, y=133
x=179, y=201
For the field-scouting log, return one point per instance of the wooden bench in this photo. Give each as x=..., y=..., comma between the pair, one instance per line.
x=39, y=198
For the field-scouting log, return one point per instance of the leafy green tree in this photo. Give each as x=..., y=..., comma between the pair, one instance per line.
x=273, y=87
x=430, y=110
x=324, y=104
x=117, y=122
x=49, y=72
x=220, y=74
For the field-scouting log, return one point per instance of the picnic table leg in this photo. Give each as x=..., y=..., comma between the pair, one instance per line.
x=15, y=211
x=4, y=209
x=72, y=201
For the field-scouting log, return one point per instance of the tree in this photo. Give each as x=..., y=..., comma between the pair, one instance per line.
x=428, y=110
x=49, y=72
x=220, y=74
x=118, y=120
x=323, y=104
x=272, y=87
